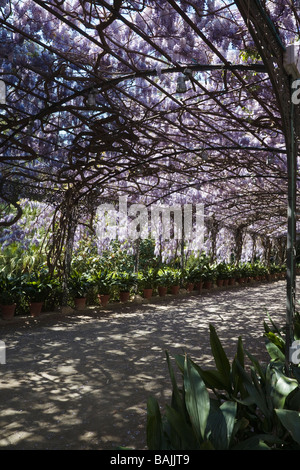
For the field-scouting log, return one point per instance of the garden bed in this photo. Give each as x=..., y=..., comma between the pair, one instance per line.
x=134, y=300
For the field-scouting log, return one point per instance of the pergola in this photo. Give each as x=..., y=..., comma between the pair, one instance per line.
x=157, y=100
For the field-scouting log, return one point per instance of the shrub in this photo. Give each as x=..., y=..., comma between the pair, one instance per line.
x=124, y=280
x=227, y=407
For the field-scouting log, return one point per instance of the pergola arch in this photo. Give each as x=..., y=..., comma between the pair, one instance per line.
x=92, y=106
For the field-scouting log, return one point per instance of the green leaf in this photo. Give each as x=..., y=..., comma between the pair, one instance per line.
x=293, y=400
x=290, y=419
x=281, y=387
x=240, y=352
x=229, y=410
x=256, y=364
x=183, y=430
x=236, y=377
x=154, y=425
x=276, y=328
x=221, y=360
x=273, y=338
x=274, y=352
x=221, y=423
x=212, y=378
x=179, y=358
x=296, y=372
x=254, y=390
x=196, y=398
x=258, y=442
x=177, y=398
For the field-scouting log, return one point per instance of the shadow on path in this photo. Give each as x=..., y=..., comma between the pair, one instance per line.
x=82, y=381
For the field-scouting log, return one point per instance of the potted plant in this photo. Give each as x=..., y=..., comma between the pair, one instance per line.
x=10, y=291
x=238, y=274
x=163, y=281
x=198, y=277
x=231, y=273
x=175, y=278
x=273, y=270
x=191, y=276
x=36, y=288
x=221, y=274
x=209, y=276
x=78, y=286
x=147, y=281
x=103, y=284
x=124, y=281
x=247, y=271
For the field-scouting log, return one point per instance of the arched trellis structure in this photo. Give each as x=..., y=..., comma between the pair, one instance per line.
x=181, y=101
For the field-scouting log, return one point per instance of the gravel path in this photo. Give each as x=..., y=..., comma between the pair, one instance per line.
x=82, y=380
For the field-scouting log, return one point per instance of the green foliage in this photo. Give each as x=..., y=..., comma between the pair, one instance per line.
x=117, y=258
x=14, y=259
x=275, y=342
x=175, y=276
x=147, y=279
x=147, y=258
x=259, y=269
x=36, y=286
x=79, y=284
x=196, y=267
x=10, y=289
x=167, y=276
x=193, y=273
x=102, y=280
x=54, y=296
x=209, y=272
x=28, y=252
x=229, y=407
x=223, y=270
x=246, y=270
x=86, y=258
x=124, y=280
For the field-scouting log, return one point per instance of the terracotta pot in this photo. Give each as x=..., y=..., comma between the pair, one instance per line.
x=207, y=284
x=231, y=281
x=225, y=282
x=147, y=293
x=124, y=296
x=104, y=298
x=220, y=282
x=199, y=285
x=8, y=311
x=175, y=290
x=162, y=290
x=190, y=286
x=35, y=308
x=80, y=303
x=241, y=280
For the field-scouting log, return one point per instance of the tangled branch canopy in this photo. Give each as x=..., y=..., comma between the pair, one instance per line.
x=181, y=101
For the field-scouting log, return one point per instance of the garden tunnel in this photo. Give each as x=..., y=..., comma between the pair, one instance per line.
x=160, y=101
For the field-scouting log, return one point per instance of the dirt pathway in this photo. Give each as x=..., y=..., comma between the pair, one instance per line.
x=81, y=381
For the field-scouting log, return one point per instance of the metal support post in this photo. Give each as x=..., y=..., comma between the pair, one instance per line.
x=291, y=236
